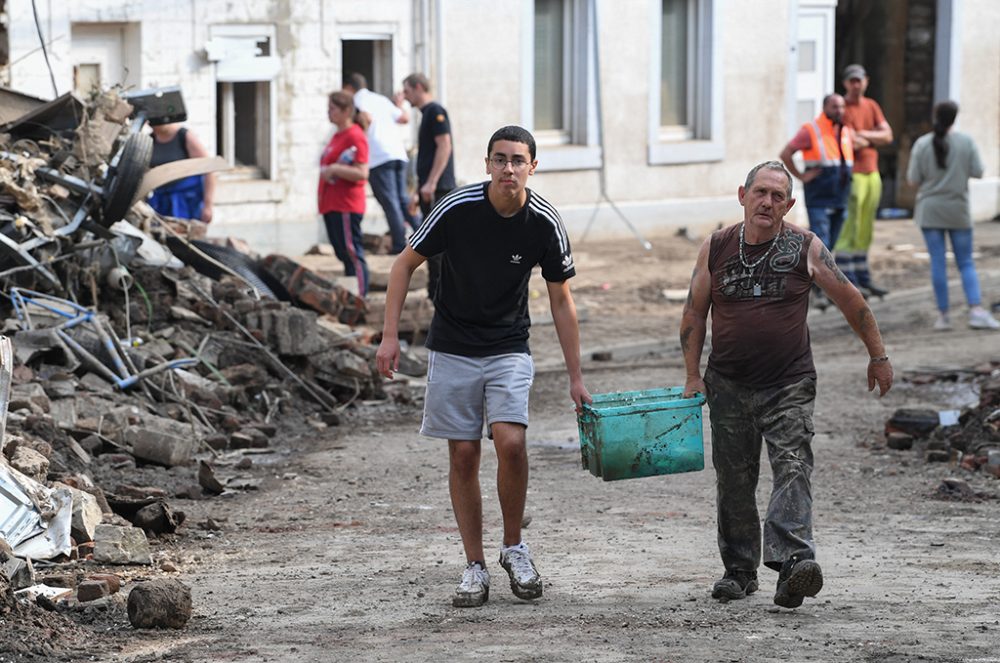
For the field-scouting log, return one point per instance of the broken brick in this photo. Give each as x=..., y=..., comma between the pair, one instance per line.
x=91, y=590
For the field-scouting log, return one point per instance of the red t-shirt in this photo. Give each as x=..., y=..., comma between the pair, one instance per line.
x=862, y=116
x=343, y=195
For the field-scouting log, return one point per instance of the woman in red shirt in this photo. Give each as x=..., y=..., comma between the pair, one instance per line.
x=342, y=175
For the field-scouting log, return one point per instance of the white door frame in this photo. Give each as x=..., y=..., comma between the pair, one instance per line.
x=826, y=11
x=947, y=51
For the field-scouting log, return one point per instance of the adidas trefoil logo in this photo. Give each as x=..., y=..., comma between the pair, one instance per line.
x=515, y=259
x=568, y=260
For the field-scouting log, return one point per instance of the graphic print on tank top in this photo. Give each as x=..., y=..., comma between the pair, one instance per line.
x=768, y=279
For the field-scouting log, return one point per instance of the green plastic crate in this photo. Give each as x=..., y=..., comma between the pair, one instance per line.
x=635, y=434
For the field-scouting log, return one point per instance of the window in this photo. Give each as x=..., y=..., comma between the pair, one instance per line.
x=686, y=115
x=675, y=59
x=559, y=93
x=245, y=99
x=369, y=54
x=242, y=128
x=551, y=65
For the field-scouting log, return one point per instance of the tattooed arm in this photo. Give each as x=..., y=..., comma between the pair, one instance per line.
x=827, y=275
x=694, y=321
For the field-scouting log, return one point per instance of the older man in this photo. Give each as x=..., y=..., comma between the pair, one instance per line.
x=755, y=277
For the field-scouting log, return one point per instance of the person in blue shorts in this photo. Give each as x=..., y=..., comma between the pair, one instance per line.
x=191, y=197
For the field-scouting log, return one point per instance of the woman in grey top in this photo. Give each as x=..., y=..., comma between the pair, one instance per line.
x=941, y=163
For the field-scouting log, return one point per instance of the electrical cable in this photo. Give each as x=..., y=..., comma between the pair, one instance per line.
x=45, y=51
x=603, y=179
x=126, y=283
x=149, y=306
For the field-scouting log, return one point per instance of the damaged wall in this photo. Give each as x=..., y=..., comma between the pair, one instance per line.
x=276, y=210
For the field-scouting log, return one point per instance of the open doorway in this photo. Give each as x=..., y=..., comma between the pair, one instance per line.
x=895, y=41
x=370, y=56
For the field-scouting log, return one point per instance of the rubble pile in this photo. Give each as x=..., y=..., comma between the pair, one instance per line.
x=970, y=437
x=139, y=364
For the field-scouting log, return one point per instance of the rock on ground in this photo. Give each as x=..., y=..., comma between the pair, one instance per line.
x=159, y=604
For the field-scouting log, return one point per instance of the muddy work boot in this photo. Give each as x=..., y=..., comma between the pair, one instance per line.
x=735, y=585
x=797, y=579
x=524, y=579
x=474, y=590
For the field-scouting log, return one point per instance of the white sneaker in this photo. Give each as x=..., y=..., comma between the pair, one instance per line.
x=524, y=579
x=942, y=323
x=474, y=590
x=980, y=318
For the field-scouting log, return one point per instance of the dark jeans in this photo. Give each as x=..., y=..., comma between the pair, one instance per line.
x=741, y=416
x=389, y=186
x=344, y=231
x=434, y=262
x=826, y=223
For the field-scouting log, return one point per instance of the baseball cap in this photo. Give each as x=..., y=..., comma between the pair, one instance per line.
x=854, y=71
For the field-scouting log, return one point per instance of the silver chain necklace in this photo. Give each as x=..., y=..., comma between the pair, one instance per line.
x=751, y=266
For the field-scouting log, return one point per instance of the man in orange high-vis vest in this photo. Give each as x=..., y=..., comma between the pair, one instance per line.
x=828, y=152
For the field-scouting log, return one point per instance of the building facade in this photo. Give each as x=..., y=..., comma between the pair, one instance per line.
x=658, y=107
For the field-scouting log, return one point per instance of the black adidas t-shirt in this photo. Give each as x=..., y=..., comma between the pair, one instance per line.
x=482, y=303
x=433, y=123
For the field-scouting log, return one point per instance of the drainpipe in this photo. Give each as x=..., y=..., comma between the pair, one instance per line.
x=424, y=63
x=442, y=95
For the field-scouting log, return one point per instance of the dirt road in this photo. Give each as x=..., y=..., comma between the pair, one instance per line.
x=350, y=551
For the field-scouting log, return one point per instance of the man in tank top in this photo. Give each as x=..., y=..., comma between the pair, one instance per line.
x=760, y=381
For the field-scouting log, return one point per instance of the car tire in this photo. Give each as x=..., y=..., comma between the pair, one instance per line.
x=123, y=183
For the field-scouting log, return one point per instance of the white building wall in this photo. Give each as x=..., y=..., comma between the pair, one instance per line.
x=480, y=80
x=979, y=97
x=484, y=94
x=638, y=189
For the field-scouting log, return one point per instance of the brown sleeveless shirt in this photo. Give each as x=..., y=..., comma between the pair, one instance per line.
x=759, y=332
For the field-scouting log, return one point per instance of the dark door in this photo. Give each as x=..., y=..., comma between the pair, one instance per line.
x=894, y=41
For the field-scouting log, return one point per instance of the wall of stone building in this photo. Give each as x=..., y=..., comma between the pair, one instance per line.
x=476, y=70
x=278, y=213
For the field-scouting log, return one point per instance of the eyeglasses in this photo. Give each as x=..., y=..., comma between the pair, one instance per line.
x=517, y=163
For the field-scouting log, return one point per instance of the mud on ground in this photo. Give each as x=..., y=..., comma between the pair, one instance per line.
x=349, y=552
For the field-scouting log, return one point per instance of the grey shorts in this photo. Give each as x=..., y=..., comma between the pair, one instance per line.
x=460, y=390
